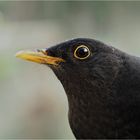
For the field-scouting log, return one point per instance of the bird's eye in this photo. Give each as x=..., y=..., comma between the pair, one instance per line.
x=82, y=52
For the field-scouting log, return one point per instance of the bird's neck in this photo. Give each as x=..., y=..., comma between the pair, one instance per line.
x=88, y=109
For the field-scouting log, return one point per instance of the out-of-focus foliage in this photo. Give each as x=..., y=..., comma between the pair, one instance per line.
x=33, y=103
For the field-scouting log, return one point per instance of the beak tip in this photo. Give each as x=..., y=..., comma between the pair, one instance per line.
x=18, y=54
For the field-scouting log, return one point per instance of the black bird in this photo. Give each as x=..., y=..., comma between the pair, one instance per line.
x=102, y=86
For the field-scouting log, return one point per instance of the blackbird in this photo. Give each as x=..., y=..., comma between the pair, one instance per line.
x=102, y=85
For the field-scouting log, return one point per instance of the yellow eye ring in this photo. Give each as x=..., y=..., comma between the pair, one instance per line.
x=82, y=52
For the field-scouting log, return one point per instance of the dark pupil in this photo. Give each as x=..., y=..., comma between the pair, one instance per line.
x=82, y=52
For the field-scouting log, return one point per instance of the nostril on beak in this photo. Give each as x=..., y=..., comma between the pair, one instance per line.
x=44, y=51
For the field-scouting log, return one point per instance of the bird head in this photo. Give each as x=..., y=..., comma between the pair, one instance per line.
x=78, y=62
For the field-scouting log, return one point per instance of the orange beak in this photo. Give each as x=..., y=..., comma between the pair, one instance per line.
x=39, y=56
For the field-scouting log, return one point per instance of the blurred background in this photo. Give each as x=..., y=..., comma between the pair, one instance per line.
x=33, y=103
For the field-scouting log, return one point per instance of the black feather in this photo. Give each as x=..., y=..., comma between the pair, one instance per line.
x=103, y=90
